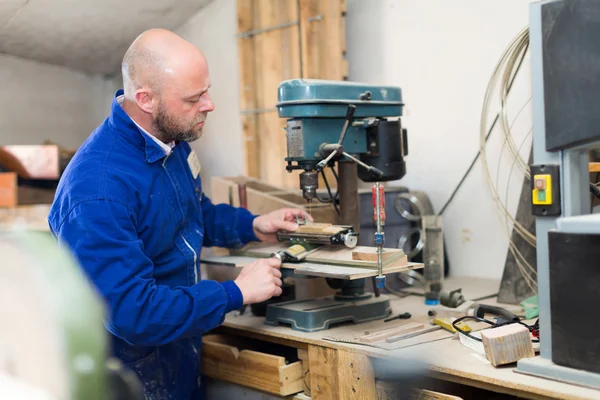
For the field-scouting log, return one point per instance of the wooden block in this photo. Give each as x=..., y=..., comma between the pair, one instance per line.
x=8, y=189
x=314, y=227
x=507, y=344
x=371, y=254
x=399, y=330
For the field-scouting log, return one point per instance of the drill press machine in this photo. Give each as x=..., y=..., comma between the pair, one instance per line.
x=355, y=125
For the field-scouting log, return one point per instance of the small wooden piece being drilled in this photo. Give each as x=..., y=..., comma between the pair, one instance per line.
x=507, y=344
x=371, y=254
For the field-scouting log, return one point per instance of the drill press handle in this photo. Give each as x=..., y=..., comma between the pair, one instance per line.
x=349, y=116
x=338, y=148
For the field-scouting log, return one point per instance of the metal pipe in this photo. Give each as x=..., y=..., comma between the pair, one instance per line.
x=379, y=246
x=284, y=25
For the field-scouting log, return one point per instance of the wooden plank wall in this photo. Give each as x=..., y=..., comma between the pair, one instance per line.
x=280, y=40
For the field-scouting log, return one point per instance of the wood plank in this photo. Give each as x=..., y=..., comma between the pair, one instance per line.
x=247, y=71
x=269, y=57
x=423, y=394
x=386, y=333
x=408, y=335
x=356, y=376
x=350, y=273
x=339, y=255
x=330, y=255
x=595, y=167
x=292, y=378
x=311, y=269
x=372, y=255
x=323, y=38
x=315, y=227
x=277, y=57
x=323, y=364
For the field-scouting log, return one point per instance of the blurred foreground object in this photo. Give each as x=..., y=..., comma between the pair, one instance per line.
x=53, y=342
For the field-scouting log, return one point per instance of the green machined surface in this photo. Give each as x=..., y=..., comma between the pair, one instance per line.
x=316, y=112
x=76, y=309
x=310, y=98
x=319, y=131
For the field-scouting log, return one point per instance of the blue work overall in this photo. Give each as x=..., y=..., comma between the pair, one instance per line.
x=136, y=219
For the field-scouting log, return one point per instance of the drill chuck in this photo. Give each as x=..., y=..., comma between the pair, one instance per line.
x=309, y=183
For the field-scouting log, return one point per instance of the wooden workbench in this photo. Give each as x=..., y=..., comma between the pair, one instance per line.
x=345, y=371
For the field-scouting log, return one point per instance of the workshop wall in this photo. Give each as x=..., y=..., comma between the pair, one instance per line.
x=443, y=54
x=219, y=149
x=45, y=102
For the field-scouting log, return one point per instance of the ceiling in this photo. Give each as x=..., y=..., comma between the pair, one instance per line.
x=90, y=35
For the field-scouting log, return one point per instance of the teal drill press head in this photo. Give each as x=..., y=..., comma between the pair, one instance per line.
x=329, y=121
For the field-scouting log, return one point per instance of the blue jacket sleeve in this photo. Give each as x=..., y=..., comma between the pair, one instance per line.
x=102, y=236
x=226, y=226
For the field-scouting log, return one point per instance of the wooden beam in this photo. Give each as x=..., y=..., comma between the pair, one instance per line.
x=356, y=376
x=250, y=138
x=322, y=30
x=339, y=374
x=280, y=40
x=323, y=364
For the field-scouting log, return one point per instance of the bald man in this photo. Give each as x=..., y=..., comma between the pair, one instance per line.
x=130, y=206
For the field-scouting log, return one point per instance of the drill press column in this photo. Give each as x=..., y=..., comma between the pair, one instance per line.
x=348, y=188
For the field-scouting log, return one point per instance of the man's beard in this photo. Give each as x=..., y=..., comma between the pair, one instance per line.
x=170, y=129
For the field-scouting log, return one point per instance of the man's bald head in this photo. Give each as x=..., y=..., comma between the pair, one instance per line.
x=153, y=57
x=167, y=78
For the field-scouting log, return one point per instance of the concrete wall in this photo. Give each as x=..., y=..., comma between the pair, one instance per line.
x=442, y=54
x=41, y=102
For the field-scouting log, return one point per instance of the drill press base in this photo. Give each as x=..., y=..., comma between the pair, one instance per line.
x=319, y=314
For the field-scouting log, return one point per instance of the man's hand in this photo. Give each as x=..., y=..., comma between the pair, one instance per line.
x=266, y=226
x=260, y=280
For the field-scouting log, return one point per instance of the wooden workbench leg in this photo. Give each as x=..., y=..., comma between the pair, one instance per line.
x=337, y=374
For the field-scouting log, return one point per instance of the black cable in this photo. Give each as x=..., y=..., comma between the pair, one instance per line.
x=486, y=137
x=337, y=181
x=331, y=198
x=493, y=325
